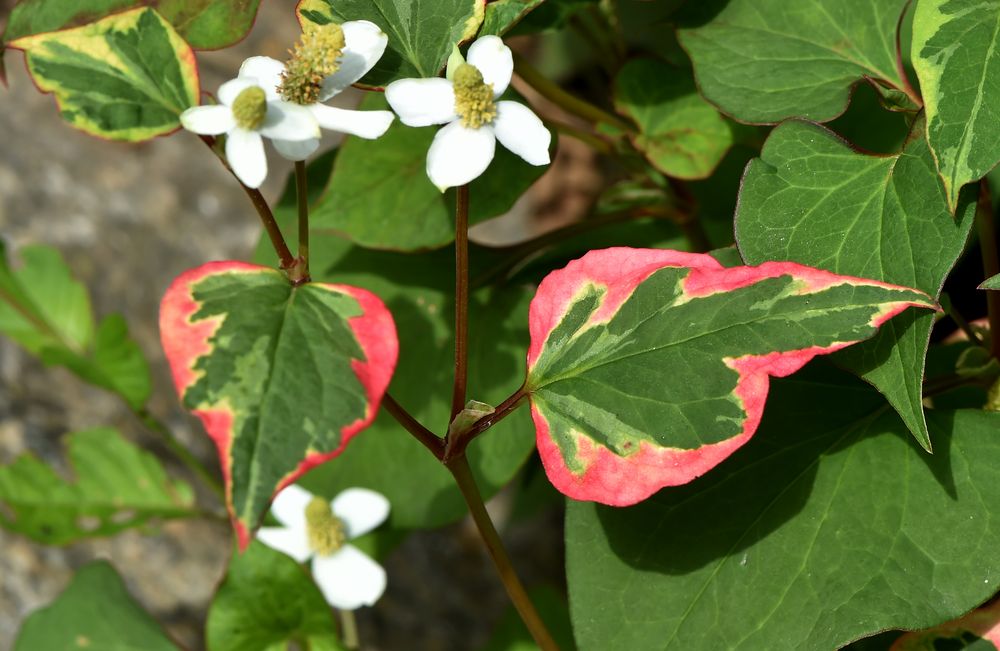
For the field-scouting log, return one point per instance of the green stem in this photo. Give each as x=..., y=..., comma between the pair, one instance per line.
x=182, y=453
x=349, y=630
x=433, y=443
x=302, y=198
x=461, y=300
x=260, y=204
x=986, y=224
x=459, y=468
x=564, y=100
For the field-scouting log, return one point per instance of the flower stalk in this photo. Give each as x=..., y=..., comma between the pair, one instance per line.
x=459, y=468
x=302, y=198
x=461, y=300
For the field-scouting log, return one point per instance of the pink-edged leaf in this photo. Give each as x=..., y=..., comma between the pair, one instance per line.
x=978, y=630
x=281, y=377
x=649, y=367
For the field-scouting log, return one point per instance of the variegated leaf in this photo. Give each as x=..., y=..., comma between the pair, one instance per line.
x=649, y=367
x=126, y=77
x=282, y=377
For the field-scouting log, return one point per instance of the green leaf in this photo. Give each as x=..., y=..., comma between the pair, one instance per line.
x=421, y=34
x=647, y=367
x=94, y=612
x=956, y=53
x=993, y=282
x=117, y=486
x=205, y=24
x=761, y=62
x=977, y=631
x=418, y=289
x=45, y=310
x=811, y=198
x=681, y=134
x=503, y=15
x=126, y=77
x=379, y=195
x=282, y=377
x=827, y=528
x=268, y=600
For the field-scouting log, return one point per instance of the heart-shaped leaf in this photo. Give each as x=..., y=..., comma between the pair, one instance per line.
x=956, y=53
x=649, y=367
x=813, y=199
x=419, y=288
x=204, y=24
x=94, y=612
x=282, y=377
x=421, y=34
x=680, y=133
x=831, y=526
x=126, y=77
x=762, y=61
x=117, y=486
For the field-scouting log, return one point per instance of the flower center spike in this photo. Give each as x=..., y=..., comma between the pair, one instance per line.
x=324, y=529
x=473, y=97
x=316, y=56
x=250, y=108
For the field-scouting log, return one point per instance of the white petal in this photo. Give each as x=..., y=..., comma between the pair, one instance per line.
x=494, y=60
x=519, y=130
x=286, y=121
x=364, y=43
x=208, y=120
x=293, y=150
x=291, y=542
x=459, y=155
x=267, y=72
x=361, y=510
x=422, y=102
x=349, y=579
x=229, y=91
x=245, y=153
x=364, y=124
x=289, y=507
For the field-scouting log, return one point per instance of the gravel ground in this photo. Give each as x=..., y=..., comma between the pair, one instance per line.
x=128, y=219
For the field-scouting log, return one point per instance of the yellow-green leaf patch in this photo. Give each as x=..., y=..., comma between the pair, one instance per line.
x=956, y=53
x=649, y=367
x=205, y=24
x=126, y=77
x=282, y=377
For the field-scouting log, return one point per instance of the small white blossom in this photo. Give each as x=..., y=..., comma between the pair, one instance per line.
x=364, y=43
x=467, y=104
x=244, y=114
x=320, y=529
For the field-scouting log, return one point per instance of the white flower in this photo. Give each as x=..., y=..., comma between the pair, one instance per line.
x=316, y=528
x=363, y=45
x=466, y=104
x=244, y=114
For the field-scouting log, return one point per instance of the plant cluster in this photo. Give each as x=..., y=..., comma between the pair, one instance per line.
x=383, y=368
